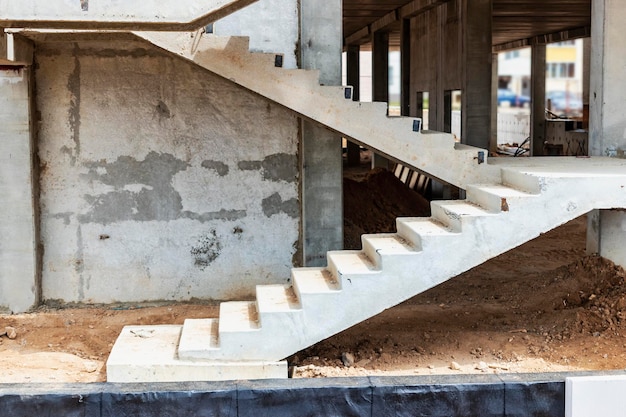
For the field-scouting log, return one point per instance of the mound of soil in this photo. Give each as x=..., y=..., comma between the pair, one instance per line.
x=372, y=203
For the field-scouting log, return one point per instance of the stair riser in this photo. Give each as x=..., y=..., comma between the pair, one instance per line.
x=493, y=202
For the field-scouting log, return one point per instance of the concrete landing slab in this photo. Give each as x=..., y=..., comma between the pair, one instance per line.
x=149, y=354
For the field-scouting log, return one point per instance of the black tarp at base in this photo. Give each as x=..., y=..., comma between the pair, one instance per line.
x=534, y=395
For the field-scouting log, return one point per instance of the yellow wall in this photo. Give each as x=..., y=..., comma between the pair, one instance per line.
x=561, y=54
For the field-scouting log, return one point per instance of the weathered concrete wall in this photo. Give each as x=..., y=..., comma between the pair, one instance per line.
x=18, y=258
x=272, y=25
x=159, y=180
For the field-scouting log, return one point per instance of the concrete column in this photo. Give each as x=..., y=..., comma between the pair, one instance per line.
x=607, y=117
x=586, y=79
x=477, y=66
x=322, y=200
x=493, y=143
x=353, y=75
x=19, y=272
x=405, y=67
x=380, y=80
x=538, y=94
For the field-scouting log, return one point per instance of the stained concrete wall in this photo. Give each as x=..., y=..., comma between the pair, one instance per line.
x=159, y=181
x=18, y=217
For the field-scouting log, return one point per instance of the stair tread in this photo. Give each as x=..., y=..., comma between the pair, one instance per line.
x=198, y=335
x=314, y=280
x=462, y=208
x=238, y=316
x=276, y=298
x=502, y=190
x=426, y=226
x=391, y=243
x=352, y=262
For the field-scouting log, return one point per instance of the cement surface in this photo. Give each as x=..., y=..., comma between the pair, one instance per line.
x=159, y=181
x=149, y=354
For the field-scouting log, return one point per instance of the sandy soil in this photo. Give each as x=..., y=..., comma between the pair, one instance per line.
x=544, y=306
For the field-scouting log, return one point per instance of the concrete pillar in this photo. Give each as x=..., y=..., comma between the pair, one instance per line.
x=380, y=80
x=19, y=271
x=405, y=67
x=607, y=118
x=477, y=67
x=321, y=169
x=538, y=94
x=353, y=75
x=493, y=143
x=586, y=80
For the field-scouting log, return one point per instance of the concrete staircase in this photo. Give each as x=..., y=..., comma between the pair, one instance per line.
x=398, y=138
x=250, y=338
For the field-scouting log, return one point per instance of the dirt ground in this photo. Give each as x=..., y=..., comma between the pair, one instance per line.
x=544, y=306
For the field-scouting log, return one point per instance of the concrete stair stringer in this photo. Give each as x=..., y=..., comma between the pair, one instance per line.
x=393, y=267
x=434, y=153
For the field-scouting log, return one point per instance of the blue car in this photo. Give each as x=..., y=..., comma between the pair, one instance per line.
x=506, y=95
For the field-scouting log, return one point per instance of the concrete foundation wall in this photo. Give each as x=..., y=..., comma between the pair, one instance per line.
x=159, y=181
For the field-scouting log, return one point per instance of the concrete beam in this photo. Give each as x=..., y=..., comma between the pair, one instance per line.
x=563, y=35
x=177, y=15
x=407, y=11
x=15, y=50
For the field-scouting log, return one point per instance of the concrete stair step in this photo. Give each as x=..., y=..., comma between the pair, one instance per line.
x=276, y=299
x=348, y=264
x=238, y=45
x=279, y=309
x=496, y=197
x=424, y=232
x=522, y=181
x=199, y=337
x=150, y=354
x=387, y=248
x=238, y=316
x=457, y=213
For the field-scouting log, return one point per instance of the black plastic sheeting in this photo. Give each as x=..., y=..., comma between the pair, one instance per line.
x=437, y=396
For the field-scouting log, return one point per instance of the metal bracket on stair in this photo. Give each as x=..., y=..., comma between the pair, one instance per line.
x=417, y=125
x=278, y=61
x=347, y=92
x=480, y=157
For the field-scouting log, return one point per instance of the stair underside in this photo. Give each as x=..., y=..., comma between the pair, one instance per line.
x=168, y=15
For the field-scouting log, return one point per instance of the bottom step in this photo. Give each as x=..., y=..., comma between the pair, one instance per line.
x=148, y=354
